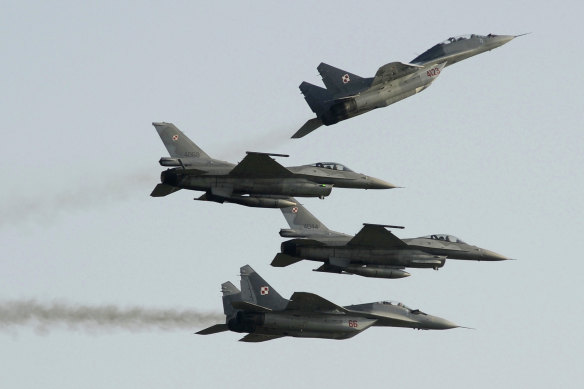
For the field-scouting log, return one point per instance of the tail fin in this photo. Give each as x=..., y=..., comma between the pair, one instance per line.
x=177, y=143
x=340, y=82
x=319, y=99
x=256, y=290
x=230, y=294
x=302, y=222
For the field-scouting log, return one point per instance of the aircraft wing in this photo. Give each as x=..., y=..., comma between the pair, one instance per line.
x=376, y=236
x=258, y=338
x=393, y=71
x=310, y=302
x=259, y=165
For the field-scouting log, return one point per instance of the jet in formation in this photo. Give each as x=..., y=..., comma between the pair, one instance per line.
x=257, y=181
x=373, y=252
x=258, y=310
x=348, y=95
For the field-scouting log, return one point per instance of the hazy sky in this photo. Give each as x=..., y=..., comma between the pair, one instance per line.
x=492, y=152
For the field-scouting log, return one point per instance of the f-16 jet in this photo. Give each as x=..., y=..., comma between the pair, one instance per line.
x=257, y=181
x=257, y=309
x=348, y=95
x=373, y=252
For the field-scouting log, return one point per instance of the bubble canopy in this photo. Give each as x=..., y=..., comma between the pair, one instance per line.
x=444, y=237
x=464, y=37
x=332, y=166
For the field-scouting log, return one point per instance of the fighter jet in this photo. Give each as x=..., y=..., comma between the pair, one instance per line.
x=348, y=95
x=262, y=313
x=257, y=181
x=373, y=252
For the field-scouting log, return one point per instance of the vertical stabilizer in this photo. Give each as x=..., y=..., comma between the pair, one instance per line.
x=230, y=294
x=177, y=143
x=301, y=220
x=340, y=82
x=318, y=99
x=256, y=290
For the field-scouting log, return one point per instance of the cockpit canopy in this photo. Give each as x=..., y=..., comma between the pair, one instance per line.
x=444, y=237
x=465, y=37
x=396, y=303
x=332, y=166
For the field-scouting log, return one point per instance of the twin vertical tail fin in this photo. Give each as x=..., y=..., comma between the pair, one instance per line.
x=341, y=83
x=255, y=290
x=177, y=143
x=319, y=99
x=230, y=294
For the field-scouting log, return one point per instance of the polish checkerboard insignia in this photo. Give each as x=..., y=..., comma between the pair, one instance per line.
x=346, y=78
x=295, y=210
x=175, y=138
x=264, y=290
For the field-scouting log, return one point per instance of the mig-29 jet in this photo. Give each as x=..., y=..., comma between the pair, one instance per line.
x=257, y=181
x=348, y=95
x=373, y=252
x=265, y=315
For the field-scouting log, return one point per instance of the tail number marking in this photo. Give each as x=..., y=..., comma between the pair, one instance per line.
x=433, y=72
x=353, y=323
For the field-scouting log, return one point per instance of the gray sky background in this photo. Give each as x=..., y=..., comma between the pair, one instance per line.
x=492, y=152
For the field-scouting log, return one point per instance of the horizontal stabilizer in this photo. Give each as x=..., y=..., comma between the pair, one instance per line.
x=243, y=305
x=162, y=190
x=374, y=235
x=213, y=329
x=307, y=128
x=283, y=260
x=259, y=165
x=258, y=338
x=310, y=302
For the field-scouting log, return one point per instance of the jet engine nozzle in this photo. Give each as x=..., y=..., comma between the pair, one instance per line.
x=246, y=321
x=339, y=111
x=170, y=177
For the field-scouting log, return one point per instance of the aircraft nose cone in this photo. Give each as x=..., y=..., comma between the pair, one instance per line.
x=489, y=255
x=500, y=40
x=442, y=324
x=376, y=183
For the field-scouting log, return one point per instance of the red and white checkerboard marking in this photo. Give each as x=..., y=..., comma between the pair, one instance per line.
x=175, y=138
x=264, y=290
x=346, y=78
x=295, y=210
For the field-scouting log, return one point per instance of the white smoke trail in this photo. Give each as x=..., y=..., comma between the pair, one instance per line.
x=44, y=317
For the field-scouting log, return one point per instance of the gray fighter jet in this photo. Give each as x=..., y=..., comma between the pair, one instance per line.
x=257, y=181
x=348, y=95
x=262, y=313
x=373, y=252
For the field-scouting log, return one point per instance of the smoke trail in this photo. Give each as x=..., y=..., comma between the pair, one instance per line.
x=44, y=317
x=75, y=197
